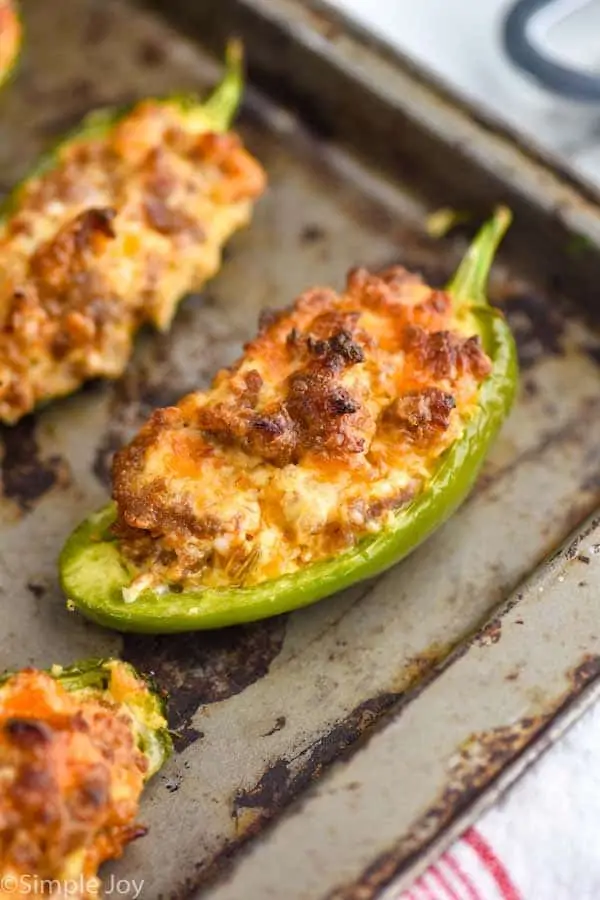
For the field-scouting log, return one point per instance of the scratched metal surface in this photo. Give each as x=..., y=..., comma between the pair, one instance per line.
x=262, y=711
x=371, y=815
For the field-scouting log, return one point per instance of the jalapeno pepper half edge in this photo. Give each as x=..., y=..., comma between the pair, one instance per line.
x=94, y=572
x=119, y=683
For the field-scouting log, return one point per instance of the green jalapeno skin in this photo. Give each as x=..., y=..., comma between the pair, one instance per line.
x=215, y=113
x=93, y=677
x=94, y=572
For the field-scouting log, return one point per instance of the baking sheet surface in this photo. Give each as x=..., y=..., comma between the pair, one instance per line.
x=262, y=710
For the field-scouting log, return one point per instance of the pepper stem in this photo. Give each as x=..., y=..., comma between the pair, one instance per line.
x=223, y=103
x=470, y=281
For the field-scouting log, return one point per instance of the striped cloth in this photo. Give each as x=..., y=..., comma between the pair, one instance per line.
x=541, y=841
x=471, y=870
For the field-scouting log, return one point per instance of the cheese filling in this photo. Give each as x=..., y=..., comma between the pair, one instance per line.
x=122, y=225
x=71, y=776
x=335, y=417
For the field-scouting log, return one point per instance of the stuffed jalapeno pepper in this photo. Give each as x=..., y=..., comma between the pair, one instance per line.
x=127, y=215
x=10, y=37
x=76, y=747
x=350, y=428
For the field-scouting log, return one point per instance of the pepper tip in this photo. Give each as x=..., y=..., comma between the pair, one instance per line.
x=234, y=53
x=222, y=105
x=469, y=283
x=503, y=217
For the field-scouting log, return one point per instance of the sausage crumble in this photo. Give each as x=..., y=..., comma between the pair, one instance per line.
x=334, y=418
x=108, y=238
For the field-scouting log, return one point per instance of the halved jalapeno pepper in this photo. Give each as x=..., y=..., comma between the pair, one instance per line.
x=113, y=228
x=77, y=746
x=96, y=575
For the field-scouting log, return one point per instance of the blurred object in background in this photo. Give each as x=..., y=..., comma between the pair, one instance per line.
x=462, y=43
x=558, y=43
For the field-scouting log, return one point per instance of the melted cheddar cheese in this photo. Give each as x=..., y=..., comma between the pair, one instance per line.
x=111, y=236
x=333, y=419
x=71, y=775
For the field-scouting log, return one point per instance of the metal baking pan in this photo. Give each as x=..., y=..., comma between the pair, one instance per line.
x=383, y=719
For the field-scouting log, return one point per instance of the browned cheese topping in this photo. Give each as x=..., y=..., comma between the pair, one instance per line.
x=109, y=238
x=71, y=776
x=333, y=419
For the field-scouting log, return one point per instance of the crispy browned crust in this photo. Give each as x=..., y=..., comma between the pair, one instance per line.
x=358, y=382
x=108, y=239
x=316, y=414
x=63, y=761
x=445, y=355
x=421, y=415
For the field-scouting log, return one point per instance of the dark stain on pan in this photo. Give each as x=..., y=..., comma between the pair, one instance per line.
x=530, y=388
x=26, y=476
x=146, y=385
x=205, y=667
x=151, y=53
x=102, y=465
x=593, y=351
x=279, y=724
x=152, y=379
x=255, y=807
x=312, y=234
x=159, y=375
x=284, y=780
x=184, y=736
x=36, y=590
x=83, y=90
x=480, y=759
x=538, y=327
x=270, y=792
